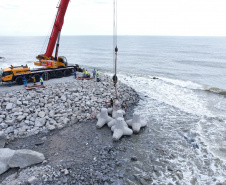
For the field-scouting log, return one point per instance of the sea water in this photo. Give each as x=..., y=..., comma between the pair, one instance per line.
x=185, y=140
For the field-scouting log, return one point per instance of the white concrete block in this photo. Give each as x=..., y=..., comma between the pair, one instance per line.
x=136, y=123
x=120, y=129
x=103, y=118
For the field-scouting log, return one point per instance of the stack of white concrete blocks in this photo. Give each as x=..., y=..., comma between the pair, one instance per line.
x=117, y=123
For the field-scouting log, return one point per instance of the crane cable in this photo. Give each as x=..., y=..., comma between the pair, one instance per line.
x=49, y=32
x=115, y=48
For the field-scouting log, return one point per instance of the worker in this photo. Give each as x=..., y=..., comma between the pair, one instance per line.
x=98, y=76
x=115, y=79
x=34, y=80
x=41, y=80
x=25, y=81
x=88, y=75
x=84, y=74
x=94, y=73
x=75, y=72
x=112, y=101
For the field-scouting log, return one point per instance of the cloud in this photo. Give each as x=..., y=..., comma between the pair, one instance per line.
x=9, y=6
x=95, y=17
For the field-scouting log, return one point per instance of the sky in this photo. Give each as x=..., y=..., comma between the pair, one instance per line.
x=134, y=17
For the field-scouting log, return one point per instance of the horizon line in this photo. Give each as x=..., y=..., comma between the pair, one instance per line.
x=118, y=35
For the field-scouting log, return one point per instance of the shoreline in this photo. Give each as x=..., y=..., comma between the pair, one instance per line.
x=76, y=131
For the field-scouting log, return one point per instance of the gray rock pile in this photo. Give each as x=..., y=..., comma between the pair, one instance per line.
x=24, y=113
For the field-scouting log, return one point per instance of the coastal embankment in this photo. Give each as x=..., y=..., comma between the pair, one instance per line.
x=59, y=121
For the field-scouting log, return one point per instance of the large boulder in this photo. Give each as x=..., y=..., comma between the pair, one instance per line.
x=23, y=158
x=2, y=139
x=5, y=156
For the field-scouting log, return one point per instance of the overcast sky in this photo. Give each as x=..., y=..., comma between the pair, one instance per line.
x=135, y=17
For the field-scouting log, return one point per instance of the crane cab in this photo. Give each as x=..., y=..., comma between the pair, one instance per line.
x=51, y=62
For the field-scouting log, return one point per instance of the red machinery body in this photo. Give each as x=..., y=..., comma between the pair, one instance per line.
x=57, y=27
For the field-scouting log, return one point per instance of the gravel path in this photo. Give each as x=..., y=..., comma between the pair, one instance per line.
x=14, y=87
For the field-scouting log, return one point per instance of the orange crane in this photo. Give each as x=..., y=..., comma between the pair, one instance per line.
x=54, y=66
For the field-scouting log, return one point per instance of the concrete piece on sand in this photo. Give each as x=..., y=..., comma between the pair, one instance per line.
x=103, y=118
x=116, y=107
x=5, y=155
x=120, y=129
x=136, y=123
x=119, y=114
x=2, y=139
x=23, y=158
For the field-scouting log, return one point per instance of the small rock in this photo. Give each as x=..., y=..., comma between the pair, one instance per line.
x=169, y=168
x=51, y=113
x=51, y=127
x=39, y=122
x=134, y=158
x=63, y=97
x=3, y=125
x=2, y=139
x=20, y=118
x=9, y=106
x=9, y=122
x=15, y=109
x=66, y=172
x=29, y=98
x=41, y=114
x=25, y=102
x=179, y=175
x=32, y=180
x=19, y=102
x=9, y=130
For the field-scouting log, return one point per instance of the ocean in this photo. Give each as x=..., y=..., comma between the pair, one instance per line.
x=185, y=140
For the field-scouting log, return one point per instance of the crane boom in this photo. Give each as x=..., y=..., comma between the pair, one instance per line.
x=47, y=59
x=59, y=21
